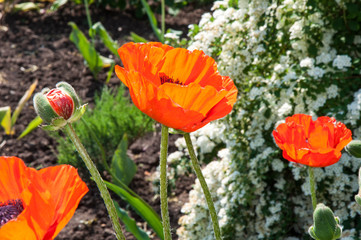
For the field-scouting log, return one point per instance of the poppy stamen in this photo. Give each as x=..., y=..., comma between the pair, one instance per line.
x=10, y=210
x=165, y=79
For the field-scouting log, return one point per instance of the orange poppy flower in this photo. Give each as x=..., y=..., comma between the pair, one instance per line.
x=313, y=143
x=36, y=205
x=176, y=87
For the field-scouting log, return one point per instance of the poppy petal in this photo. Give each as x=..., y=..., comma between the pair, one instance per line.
x=17, y=230
x=143, y=58
x=13, y=178
x=192, y=97
x=181, y=89
x=186, y=67
x=49, y=196
x=313, y=143
x=66, y=189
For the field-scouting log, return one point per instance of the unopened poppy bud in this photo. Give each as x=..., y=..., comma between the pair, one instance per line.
x=58, y=106
x=354, y=148
x=61, y=103
x=326, y=225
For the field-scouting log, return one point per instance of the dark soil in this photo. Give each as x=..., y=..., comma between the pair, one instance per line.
x=36, y=46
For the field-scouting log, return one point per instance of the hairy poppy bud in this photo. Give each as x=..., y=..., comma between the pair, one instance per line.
x=58, y=106
x=326, y=225
x=354, y=148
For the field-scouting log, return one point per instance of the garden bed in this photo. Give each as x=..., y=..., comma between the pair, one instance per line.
x=36, y=46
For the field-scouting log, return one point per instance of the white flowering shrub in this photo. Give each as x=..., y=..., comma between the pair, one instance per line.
x=207, y=141
x=286, y=57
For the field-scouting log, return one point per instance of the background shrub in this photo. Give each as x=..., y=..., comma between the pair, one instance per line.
x=285, y=57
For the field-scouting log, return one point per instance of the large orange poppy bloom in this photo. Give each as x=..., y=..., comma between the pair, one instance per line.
x=313, y=143
x=176, y=87
x=36, y=205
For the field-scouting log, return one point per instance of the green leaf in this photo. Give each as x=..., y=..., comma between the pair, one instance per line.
x=122, y=165
x=57, y=4
x=22, y=102
x=32, y=125
x=26, y=6
x=98, y=29
x=354, y=26
x=88, y=52
x=130, y=224
x=5, y=119
x=110, y=72
x=136, y=38
x=152, y=20
x=142, y=209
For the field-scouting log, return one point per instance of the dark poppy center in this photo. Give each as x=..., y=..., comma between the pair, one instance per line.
x=165, y=79
x=10, y=210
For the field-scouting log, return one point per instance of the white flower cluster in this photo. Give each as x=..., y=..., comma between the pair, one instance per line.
x=205, y=142
x=196, y=223
x=286, y=57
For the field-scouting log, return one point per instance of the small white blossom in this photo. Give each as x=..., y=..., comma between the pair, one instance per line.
x=307, y=62
x=316, y=72
x=342, y=61
x=284, y=109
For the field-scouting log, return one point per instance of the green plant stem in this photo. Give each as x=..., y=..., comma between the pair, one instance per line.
x=207, y=194
x=163, y=19
x=163, y=183
x=69, y=130
x=86, y=4
x=312, y=187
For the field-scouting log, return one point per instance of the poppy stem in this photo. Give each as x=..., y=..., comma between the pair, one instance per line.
x=69, y=130
x=207, y=194
x=163, y=183
x=312, y=187
x=163, y=19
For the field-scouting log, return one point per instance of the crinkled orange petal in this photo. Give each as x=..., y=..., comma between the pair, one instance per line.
x=186, y=67
x=50, y=197
x=13, y=178
x=228, y=85
x=141, y=90
x=180, y=89
x=291, y=154
x=292, y=135
x=17, y=230
x=192, y=97
x=319, y=138
x=39, y=213
x=321, y=159
x=313, y=143
x=66, y=189
x=303, y=120
x=143, y=58
x=158, y=105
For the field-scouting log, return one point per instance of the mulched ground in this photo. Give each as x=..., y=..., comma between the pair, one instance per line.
x=36, y=46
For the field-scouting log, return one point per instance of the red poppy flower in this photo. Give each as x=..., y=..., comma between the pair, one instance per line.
x=176, y=87
x=313, y=143
x=36, y=205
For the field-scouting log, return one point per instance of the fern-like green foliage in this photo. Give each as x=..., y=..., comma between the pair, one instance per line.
x=112, y=116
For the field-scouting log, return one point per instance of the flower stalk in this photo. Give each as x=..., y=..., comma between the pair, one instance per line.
x=207, y=194
x=163, y=183
x=69, y=130
x=163, y=19
x=312, y=187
